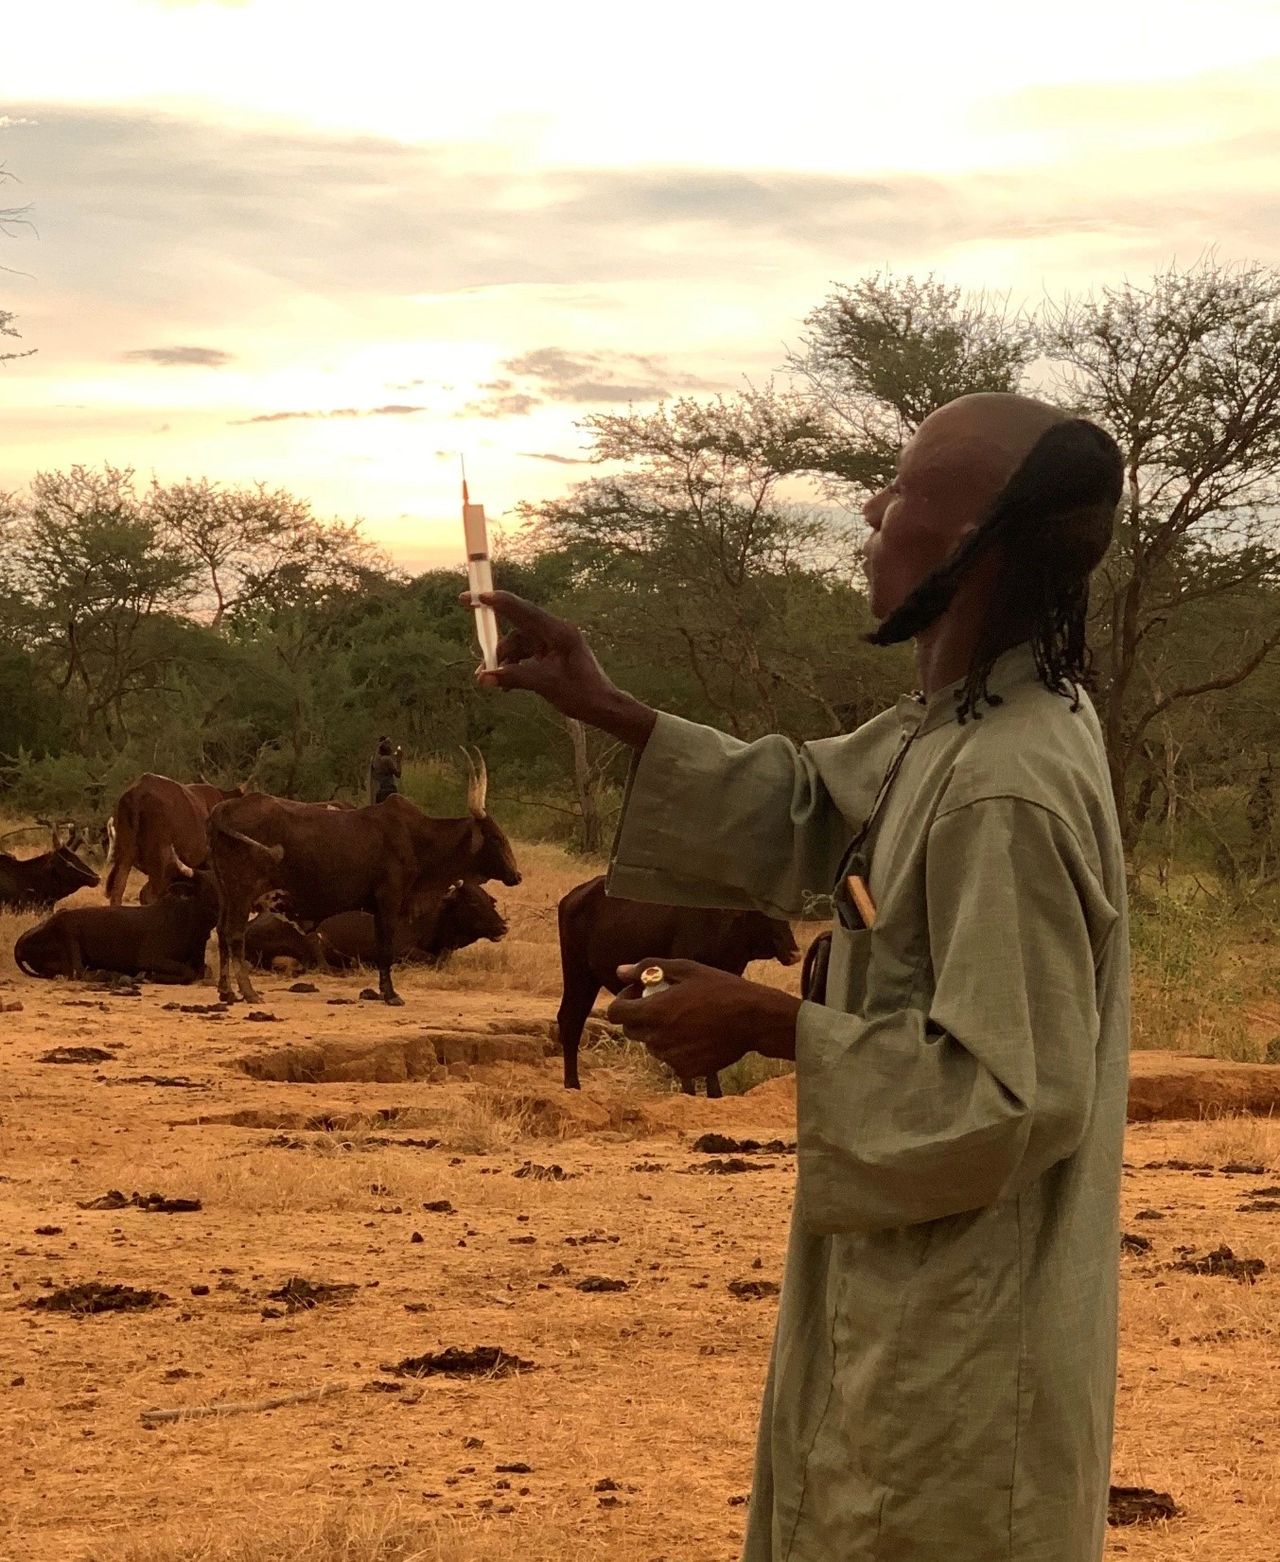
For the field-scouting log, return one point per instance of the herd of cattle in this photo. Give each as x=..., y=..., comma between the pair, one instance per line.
x=327, y=885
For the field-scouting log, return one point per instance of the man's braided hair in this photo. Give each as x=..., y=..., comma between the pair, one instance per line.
x=1052, y=524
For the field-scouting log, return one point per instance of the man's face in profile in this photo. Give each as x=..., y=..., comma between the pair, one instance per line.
x=947, y=476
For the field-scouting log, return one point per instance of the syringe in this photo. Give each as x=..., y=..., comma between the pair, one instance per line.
x=480, y=576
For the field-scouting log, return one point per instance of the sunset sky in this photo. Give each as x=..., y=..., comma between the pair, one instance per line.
x=331, y=246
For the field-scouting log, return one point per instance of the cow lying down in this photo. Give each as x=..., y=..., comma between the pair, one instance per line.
x=164, y=941
x=465, y=915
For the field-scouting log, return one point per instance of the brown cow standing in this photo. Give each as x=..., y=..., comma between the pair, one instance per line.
x=383, y=859
x=465, y=916
x=600, y=932
x=161, y=827
x=164, y=940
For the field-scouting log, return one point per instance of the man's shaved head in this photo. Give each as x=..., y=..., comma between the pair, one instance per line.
x=1001, y=487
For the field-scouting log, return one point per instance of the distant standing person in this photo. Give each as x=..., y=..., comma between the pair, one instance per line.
x=384, y=771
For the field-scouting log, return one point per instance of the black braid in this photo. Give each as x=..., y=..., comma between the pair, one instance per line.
x=1052, y=522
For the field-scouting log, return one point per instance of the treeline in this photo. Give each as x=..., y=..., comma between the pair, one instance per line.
x=201, y=629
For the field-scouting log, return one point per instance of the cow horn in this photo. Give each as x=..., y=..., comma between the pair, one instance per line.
x=183, y=869
x=478, y=790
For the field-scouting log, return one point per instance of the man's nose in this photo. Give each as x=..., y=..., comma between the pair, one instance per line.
x=873, y=510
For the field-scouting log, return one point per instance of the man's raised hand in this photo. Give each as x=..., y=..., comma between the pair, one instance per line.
x=549, y=657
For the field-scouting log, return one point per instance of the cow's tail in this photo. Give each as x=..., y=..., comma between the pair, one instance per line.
x=257, y=848
x=20, y=955
x=122, y=835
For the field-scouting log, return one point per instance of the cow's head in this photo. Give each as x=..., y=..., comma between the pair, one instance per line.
x=70, y=872
x=470, y=914
x=198, y=887
x=491, y=854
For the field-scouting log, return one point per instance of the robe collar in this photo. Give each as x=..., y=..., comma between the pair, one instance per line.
x=917, y=715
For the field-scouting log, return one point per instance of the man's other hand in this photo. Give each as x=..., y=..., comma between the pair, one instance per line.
x=706, y=1020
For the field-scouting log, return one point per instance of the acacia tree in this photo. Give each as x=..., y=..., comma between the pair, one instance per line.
x=10, y=218
x=881, y=354
x=259, y=547
x=1186, y=373
x=95, y=590
x=705, y=557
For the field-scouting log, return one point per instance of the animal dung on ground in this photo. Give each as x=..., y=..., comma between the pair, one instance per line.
x=1131, y=1243
x=602, y=1283
x=48, y=1231
x=1243, y=1169
x=91, y=1296
x=542, y=1173
x=439, y=1207
x=483, y=1361
x=195, y=1008
x=301, y=1295
x=75, y=1055
x=170, y=1081
x=726, y=1168
x=1222, y=1261
x=1140, y=1505
x=753, y=1290
x=262, y=1017
x=1259, y=1207
x=722, y=1144
x=152, y=1203
x=10, y=1006
x=304, y=987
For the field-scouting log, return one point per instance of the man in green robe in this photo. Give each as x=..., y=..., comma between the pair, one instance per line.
x=943, y=1374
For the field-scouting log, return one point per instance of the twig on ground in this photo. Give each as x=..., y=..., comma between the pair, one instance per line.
x=241, y=1407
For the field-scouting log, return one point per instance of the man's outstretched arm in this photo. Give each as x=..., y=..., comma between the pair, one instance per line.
x=708, y=820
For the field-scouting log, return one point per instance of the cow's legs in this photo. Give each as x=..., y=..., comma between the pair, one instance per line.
x=714, y=1092
x=174, y=972
x=71, y=954
x=384, y=930
x=232, y=920
x=224, y=956
x=580, y=989
x=245, y=982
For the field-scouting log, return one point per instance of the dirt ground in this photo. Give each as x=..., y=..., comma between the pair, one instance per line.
x=630, y=1434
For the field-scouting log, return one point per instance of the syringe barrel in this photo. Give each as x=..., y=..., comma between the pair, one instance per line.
x=480, y=579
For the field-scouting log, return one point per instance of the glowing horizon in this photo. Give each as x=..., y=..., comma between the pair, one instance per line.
x=331, y=258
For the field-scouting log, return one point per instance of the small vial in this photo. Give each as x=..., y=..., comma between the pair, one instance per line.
x=653, y=979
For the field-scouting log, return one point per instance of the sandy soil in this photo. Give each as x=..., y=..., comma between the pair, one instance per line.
x=652, y=1388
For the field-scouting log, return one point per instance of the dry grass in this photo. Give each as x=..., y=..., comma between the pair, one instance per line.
x=351, y=1533
x=1235, y=1137
x=655, y=1387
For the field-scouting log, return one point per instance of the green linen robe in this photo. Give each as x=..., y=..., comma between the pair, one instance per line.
x=943, y=1374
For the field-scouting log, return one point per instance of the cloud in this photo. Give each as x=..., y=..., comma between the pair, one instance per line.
x=504, y=404
x=180, y=357
x=393, y=410
x=550, y=455
x=553, y=374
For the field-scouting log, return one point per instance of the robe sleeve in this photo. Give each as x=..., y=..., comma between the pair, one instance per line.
x=711, y=821
x=919, y=1114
